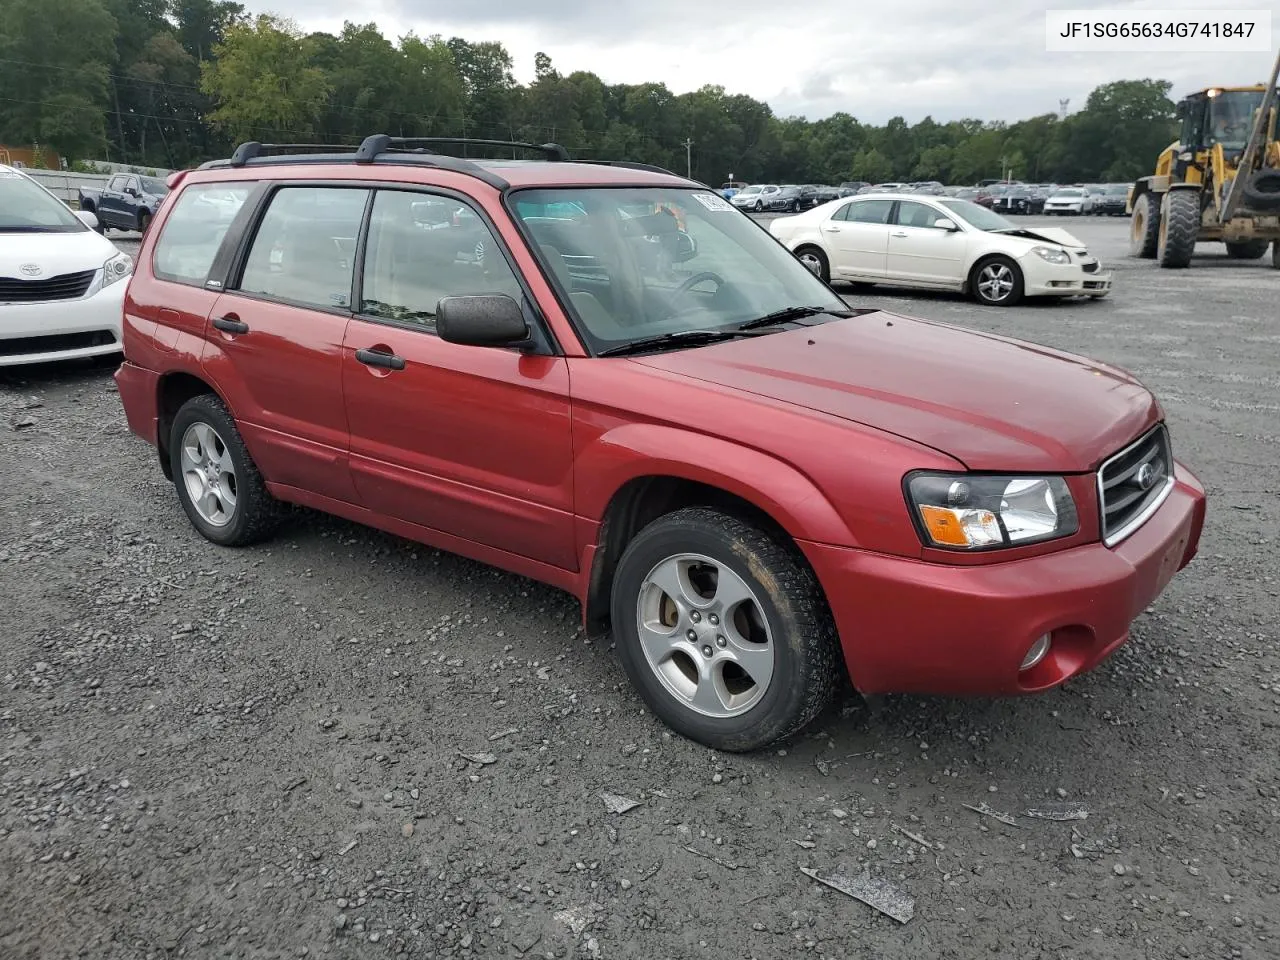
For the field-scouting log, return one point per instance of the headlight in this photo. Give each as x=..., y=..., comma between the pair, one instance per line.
x=117, y=268
x=1052, y=254
x=967, y=512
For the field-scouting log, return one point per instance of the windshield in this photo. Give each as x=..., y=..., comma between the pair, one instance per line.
x=1069, y=193
x=643, y=262
x=151, y=185
x=977, y=216
x=28, y=208
x=1231, y=117
x=755, y=189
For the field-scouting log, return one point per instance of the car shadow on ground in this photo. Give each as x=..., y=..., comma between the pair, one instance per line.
x=61, y=373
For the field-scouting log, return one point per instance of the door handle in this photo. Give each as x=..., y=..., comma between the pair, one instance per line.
x=376, y=358
x=231, y=324
x=901, y=234
x=831, y=229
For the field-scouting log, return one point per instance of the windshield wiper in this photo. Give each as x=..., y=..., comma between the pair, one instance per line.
x=787, y=314
x=678, y=338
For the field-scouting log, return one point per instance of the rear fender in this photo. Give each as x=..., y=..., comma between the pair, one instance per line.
x=630, y=451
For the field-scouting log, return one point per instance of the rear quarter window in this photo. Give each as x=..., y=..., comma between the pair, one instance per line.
x=194, y=230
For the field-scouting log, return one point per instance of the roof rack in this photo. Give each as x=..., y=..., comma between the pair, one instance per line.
x=252, y=149
x=381, y=143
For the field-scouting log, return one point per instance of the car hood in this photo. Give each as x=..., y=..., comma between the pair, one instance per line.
x=53, y=253
x=990, y=402
x=1056, y=235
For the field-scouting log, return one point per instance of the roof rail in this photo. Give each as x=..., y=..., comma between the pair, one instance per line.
x=381, y=143
x=633, y=165
x=252, y=148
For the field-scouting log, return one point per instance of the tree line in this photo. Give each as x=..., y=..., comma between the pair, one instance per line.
x=171, y=83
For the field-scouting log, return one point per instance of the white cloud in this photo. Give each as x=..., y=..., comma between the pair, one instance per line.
x=913, y=58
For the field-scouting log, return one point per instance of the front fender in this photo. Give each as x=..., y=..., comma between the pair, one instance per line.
x=630, y=451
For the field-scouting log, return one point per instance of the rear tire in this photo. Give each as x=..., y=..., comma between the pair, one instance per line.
x=1262, y=192
x=1275, y=254
x=1247, y=249
x=218, y=483
x=1179, y=227
x=815, y=260
x=762, y=661
x=1144, y=227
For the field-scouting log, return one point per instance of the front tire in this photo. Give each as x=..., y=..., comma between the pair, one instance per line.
x=723, y=629
x=1144, y=227
x=1179, y=227
x=144, y=221
x=218, y=483
x=997, y=282
x=815, y=260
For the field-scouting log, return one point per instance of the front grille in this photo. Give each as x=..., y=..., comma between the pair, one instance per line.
x=55, y=343
x=1133, y=483
x=66, y=286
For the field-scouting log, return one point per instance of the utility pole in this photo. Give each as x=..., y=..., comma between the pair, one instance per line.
x=688, y=157
x=1062, y=108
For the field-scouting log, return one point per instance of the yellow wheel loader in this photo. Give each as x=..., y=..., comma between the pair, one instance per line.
x=1219, y=182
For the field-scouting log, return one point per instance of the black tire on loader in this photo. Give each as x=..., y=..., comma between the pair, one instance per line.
x=1179, y=227
x=1247, y=249
x=1144, y=228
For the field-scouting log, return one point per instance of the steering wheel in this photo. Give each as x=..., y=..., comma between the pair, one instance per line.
x=684, y=288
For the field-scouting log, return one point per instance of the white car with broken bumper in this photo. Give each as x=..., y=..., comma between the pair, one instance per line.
x=941, y=243
x=62, y=284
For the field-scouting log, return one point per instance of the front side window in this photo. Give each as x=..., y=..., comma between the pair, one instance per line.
x=26, y=207
x=304, y=250
x=194, y=230
x=413, y=259
x=913, y=214
x=643, y=262
x=977, y=215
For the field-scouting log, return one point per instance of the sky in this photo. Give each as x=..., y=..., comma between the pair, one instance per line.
x=949, y=59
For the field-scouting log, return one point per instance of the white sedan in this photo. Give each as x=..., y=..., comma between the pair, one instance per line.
x=940, y=243
x=62, y=284
x=1069, y=200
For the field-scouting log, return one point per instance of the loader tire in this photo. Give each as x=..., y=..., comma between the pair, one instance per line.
x=1262, y=192
x=1179, y=228
x=1275, y=254
x=1247, y=249
x=1144, y=228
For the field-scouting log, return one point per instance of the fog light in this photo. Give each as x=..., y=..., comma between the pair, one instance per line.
x=1036, y=653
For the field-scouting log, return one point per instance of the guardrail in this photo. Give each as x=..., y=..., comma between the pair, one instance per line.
x=66, y=186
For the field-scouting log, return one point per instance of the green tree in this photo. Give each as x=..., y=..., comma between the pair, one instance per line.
x=263, y=83
x=55, y=65
x=871, y=165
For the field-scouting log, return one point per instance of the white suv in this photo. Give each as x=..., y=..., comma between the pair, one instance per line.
x=62, y=284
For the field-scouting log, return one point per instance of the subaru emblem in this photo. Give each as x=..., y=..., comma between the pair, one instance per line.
x=30, y=270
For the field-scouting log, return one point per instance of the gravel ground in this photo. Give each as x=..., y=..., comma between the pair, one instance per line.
x=341, y=744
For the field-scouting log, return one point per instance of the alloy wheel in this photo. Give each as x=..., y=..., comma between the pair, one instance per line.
x=209, y=474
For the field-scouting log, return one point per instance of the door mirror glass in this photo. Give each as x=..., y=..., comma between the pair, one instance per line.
x=485, y=320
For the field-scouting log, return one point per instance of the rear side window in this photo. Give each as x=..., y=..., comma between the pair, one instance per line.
x=304, y=250
x=194, y=229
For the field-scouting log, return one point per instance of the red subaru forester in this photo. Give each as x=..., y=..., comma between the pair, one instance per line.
x=605, y=377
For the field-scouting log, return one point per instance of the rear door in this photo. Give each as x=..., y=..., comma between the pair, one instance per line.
x=921, y=252
x=474, y=442
x=857, y=239
x=274, y=343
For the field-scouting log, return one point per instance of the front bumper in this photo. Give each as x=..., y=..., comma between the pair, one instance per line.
x=907, y=626
x=62, y=329
x=1040, y=278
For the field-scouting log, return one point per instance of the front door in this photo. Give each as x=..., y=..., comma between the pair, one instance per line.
x=274, y=343
x=474, y=442
x=919, y=251
x=857, y=237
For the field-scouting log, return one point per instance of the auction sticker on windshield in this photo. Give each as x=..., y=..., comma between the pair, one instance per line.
x=713, y=202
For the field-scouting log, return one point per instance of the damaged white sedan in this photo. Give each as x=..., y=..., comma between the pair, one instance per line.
x=941, y=243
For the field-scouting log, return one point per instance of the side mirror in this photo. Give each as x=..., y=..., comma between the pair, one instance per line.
x=486, y=320
x=88, y=218
x=945, y=224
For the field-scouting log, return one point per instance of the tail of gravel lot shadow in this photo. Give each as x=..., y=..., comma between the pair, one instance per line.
x=59, y=373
